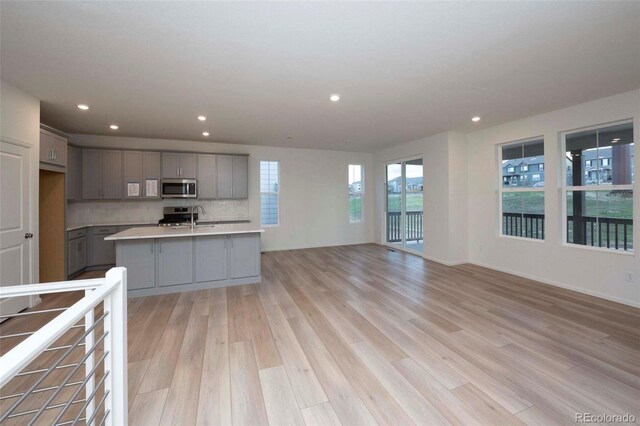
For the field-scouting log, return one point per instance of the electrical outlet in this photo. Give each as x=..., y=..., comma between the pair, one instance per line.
x=628, y=277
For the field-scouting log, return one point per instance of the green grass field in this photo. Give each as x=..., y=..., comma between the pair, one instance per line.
x=414, y=202
x=597, y=203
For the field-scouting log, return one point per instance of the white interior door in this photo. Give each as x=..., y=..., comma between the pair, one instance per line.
x=15, y=232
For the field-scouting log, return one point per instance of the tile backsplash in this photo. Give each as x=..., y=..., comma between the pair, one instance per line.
x=149, y=211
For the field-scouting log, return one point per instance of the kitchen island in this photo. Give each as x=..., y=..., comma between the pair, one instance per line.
x=163, y=260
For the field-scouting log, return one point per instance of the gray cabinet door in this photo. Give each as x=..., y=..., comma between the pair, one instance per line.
x=102, y=252
x=175, y=261
x=244, y=255
x=170, y=165
x=206, y=176
x=72, y=256
x=81, y=253
x=240, y=177
x=138, y=256
x=111, y=175
x=72, y=173
x=59, y=148
x=131, y=172
x=188, y=166
x=91, y=174
x=224, y=176
x=151, y=170
x=46, y=155
x=211, y=258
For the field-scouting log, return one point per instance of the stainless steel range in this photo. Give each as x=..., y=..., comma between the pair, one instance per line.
x=177, y=216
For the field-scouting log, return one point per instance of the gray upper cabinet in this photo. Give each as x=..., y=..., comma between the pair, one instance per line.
x=232, y=179
x=211, y=258
x=244, y=255
x=170, y=165
x=53, y=149
x=131, y=173
x=188, y=166
x=175, y=261
x=224, y=176
x=91, y=174
x=112, y=175
x=206, y=176
x=240, y=187
x=73, y=173
x=151, y=170
x=177, y=165
x=101, y=174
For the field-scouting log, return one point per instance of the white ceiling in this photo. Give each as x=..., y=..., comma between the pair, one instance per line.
x=263, y=71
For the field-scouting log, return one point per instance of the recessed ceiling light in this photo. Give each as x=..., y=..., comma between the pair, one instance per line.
x=202, y=118
x=334, y=98
x=205, y=133
x=83, y=107
x=615, y=140
x=114, y=127
x=475, y=119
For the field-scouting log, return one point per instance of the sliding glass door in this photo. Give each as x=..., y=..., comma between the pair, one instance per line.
x=404, y=204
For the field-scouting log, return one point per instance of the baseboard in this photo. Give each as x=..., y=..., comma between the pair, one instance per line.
x=561, y=285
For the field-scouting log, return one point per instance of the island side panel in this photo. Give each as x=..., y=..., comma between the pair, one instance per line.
x=138, y=256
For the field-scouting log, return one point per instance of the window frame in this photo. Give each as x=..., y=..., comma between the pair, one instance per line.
x=362, y=188
x=516, y=189
x=277, y=194
x=564, y=188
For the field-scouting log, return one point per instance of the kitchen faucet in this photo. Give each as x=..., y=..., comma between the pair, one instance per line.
x=193, y=209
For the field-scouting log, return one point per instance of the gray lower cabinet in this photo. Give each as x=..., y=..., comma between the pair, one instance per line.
x=244, y=255
x=102, y=252
x=175, y=261
x=211, y=258
x=167, y=265
x=138, y=256
x=76, y=251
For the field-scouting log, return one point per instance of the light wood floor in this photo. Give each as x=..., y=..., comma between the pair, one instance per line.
x=363, y=335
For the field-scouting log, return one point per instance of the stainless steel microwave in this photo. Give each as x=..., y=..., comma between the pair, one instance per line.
x=179, y=188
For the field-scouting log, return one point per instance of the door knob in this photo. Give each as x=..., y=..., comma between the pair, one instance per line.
x=28, y=235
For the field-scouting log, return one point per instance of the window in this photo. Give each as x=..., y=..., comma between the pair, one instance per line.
x=524, y=168
x=269, y=193
x=522, y=199
x=598, y=200
x=355, y=191
x=511, y=169
x=587, y=163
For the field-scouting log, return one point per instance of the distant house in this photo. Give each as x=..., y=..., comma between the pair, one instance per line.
x=414, y=184
x=523, y=172
x=355, y=187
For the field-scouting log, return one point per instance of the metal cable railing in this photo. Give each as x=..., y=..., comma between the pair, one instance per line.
x=41, y=372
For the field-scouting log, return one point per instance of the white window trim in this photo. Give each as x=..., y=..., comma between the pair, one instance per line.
x=361, y=220
x=269, y=192
x=502, y=190
x=564, y=188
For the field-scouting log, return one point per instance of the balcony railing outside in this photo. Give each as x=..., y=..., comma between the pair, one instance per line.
x=413, y=226
x=606, y=232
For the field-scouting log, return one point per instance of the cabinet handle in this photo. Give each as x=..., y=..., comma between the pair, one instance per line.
x=231, y=239
x=152, y=248
x=160, y=246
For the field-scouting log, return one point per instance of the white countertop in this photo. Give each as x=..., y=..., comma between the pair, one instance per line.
x=74, y=226
x=185, y=231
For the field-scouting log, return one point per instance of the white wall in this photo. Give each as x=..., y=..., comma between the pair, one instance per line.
x=444, y=221
x=313, y=200
x=20, y=123
x=600, y=273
